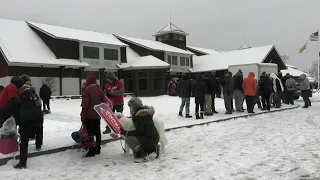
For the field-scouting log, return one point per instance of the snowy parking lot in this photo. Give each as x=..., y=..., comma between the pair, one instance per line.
x=282, y=145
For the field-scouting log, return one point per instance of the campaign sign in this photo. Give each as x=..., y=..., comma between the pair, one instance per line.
x=106, y=113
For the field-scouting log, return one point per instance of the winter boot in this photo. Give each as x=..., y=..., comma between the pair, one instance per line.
x=309, y=103
x=90, y=153
x=214, y=112
x=201, y=115
x=197, y=116
x=20, y=166
x=180, y=114
x=38, y=148
x=144, y=157
x=158, y=147
x=97, y=149
x=188, y=116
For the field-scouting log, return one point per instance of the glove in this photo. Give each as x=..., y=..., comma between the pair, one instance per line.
x=123, y=132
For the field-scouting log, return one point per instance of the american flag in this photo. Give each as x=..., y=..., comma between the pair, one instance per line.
x=314, y=36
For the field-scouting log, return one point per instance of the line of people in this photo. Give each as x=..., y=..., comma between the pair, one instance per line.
x=267, y=92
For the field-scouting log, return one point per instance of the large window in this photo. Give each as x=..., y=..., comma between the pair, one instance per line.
x=182, y=61
x=111, y=54
x=175, y=37
x=187, y=61
x=160, y=38
x=129, y=84
x=181, y=38
x=90, y=52
x=143, y=81
x=157, y=80
x=169, y=59
x=166, y=37
x=174, y=60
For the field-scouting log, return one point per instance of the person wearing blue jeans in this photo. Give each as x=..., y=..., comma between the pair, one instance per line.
x=184, y=92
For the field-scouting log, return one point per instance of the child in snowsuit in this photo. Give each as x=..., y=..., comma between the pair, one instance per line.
x=199, y=90
x=31, y=119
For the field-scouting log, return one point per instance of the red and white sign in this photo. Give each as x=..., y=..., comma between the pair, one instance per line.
x=106, y=113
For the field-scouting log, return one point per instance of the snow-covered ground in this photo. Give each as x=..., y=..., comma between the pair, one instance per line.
x=283, y=145
x=65, y=119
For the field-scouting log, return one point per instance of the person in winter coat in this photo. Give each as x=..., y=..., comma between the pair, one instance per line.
x=91, y=96
x=1, y=88
x=184, y=92
x=199, y=91
x=285, y=94
x=172, y=86
x=9, y=101
x=238, y=91
x=31, y=121
x=265, y=88
x=305, y=90
x=290, y=87
x=144, y=140
x=250, y=89
x=208, y=96
x=228, y=92
x=45, y=95
x=114, y=90
x=277, y=88
x=215, y=88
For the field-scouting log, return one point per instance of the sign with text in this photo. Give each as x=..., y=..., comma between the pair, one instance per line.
x=106, y=113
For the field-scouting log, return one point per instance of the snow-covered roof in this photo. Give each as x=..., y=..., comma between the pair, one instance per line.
x=221, y=61
x=244, y=46
x=76, y=34
x=153, y=45
x=170, y=28
x=204, y=50
x=292, y=66
x=20, y=45
x=135, y=61
x=293, y=72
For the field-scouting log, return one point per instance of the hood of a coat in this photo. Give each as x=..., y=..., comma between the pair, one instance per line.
x=25, y=88
x=303, y=76
x=112, y=76
x=251, y=75
x=145, y=111
x=91, y=79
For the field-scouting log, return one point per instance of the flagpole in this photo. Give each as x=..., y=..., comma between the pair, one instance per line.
x=318, y=61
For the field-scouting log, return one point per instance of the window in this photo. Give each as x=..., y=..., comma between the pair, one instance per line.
x=181, y=38
x=166, y=37
x=182, y=61
x=160, y=38
x=169, y=60
x=175, y=37
x=90, y=52
x=143, y=81
x=187, y=61
x=129, y=84
x=174, y=60
x=111, y=54
x=157, y=80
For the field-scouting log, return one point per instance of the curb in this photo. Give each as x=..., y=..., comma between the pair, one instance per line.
x=4, y=161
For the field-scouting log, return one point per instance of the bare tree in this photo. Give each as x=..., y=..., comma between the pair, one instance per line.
x=51, y=83
x=285, y=58
x=313, y=71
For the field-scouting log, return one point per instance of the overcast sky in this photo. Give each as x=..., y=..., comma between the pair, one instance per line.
x=218, y=24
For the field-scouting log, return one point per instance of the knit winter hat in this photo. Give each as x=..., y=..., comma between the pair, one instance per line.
x=25, y=78
x=112, y=76
x=134, y=104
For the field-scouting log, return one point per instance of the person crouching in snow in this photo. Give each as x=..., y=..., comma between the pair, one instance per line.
x=144, y=140
x=31, y=119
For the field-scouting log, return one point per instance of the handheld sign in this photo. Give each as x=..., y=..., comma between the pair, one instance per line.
x=106, y=113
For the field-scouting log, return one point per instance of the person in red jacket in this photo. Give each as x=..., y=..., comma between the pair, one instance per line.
x=9, y=101
x=249, y=87
x=91, y=96
x=114, y=90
